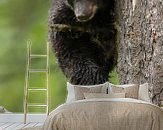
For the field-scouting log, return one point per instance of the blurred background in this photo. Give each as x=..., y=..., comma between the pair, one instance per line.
x=20, y=21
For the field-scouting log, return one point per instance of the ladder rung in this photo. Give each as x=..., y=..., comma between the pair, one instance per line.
x=38, y=70
x=37, y=89
x=37, y=105
x=37, y=56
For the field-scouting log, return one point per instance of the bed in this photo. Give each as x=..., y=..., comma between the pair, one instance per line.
x=106, y=107
x=90, y=111
x=106, y=114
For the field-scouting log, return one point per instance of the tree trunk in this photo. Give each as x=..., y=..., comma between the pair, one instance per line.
x=140, y=25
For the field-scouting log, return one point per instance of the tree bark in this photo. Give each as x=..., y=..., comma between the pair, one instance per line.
x=140, y=25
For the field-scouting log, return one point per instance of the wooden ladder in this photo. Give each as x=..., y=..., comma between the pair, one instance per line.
x=29, y=71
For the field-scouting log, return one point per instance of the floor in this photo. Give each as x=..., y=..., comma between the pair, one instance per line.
x=13, y=121
x=17, y=126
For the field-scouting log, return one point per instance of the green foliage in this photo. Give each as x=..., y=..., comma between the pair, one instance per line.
x=22, y=20
x=114, y=77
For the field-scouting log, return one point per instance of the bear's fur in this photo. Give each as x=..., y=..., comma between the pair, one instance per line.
x=86, y=56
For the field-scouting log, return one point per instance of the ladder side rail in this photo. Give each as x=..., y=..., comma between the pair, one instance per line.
x=47, y=80
x=27, y=82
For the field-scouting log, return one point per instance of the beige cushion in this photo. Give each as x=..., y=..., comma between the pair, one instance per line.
x=143, y=92
x=102, y=95
x=130, y=90
x=79, y=91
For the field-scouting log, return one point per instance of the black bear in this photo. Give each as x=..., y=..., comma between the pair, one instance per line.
x=83, y=36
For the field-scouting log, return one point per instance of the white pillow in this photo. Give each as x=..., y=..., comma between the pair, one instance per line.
x=71, y=93
x=143, y=92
